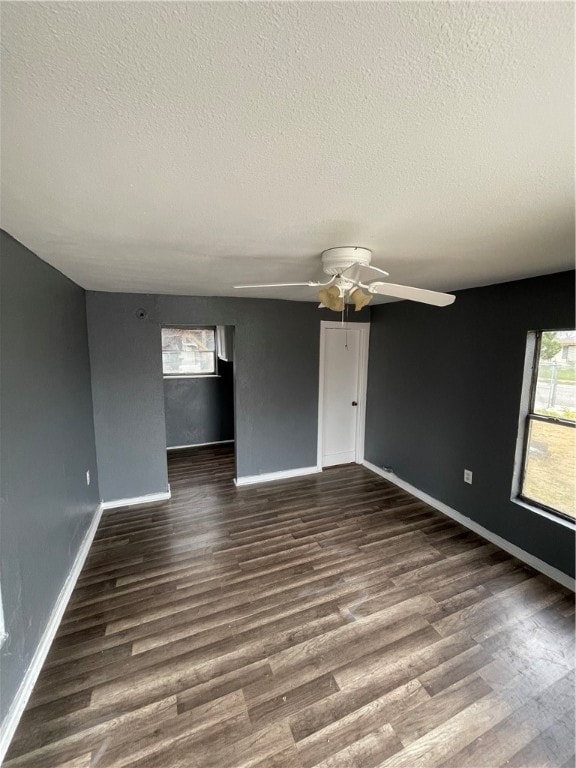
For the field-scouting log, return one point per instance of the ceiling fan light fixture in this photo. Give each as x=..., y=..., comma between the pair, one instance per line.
x=330, y=298
x=360, y=299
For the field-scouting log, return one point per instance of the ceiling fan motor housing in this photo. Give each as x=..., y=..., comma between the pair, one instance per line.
x=335, y=261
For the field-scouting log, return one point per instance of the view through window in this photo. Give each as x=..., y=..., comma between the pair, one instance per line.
x=188, y=351
x=550, y=436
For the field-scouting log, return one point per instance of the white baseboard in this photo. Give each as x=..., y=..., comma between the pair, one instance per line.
x=268, y=477
x=23, y=694
x=150, y=498
x=197, y=445
x=512, y=549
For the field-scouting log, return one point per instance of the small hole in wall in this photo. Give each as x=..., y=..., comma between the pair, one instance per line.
x=141, y=314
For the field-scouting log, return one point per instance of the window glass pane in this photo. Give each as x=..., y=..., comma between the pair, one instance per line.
x=188, y=351
x=549, y=467
x=556, y=384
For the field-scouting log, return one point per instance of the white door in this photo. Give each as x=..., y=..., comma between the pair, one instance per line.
x=341, y=396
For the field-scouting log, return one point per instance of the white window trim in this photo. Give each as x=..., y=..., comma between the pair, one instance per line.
x=516, y=497
x=191, y=376
x=213, y=328
x=3, y=633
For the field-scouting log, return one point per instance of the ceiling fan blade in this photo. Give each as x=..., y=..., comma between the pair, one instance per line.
x=309, y=284
x=377, y=269
x=435, y=298
x=276, y=285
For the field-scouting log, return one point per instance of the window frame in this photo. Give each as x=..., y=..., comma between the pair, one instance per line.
x=529, y=416
x=213, y=374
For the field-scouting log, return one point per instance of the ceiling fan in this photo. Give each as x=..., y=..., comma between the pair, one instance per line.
x=344, y=265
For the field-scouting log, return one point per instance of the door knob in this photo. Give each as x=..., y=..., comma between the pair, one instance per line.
x=354, y=402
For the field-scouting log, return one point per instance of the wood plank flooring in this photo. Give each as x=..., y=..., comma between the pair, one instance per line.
x=329, y=621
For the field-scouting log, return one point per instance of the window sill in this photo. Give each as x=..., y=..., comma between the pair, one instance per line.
x=563, y=521
x=193, y=376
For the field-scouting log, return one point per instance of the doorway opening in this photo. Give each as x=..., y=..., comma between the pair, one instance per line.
x=342, y=392
x=198, y=374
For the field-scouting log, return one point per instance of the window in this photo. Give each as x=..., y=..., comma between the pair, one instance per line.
x=188, y=351
x=569, y=352
x=547, y=478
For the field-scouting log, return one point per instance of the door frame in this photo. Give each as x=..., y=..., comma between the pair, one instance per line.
x=364, y=329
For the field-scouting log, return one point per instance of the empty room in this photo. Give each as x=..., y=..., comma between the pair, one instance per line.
x=287, y=385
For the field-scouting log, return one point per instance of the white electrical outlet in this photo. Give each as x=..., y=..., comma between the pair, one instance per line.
x=87, y=477
x=468, y=476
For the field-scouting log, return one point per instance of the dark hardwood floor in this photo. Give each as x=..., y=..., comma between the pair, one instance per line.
x=329, y=621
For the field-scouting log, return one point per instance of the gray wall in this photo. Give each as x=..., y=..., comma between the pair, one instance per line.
x=47, y=444
x=443, y=394
x=276, y=383
x=200, y=409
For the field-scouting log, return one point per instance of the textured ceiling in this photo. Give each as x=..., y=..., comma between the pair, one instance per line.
x=183, y=147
